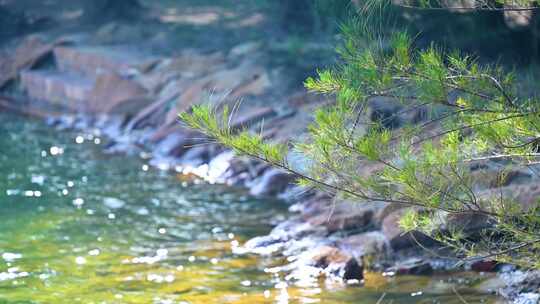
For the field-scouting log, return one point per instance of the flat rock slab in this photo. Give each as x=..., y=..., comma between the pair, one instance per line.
x=107, y=93
x=58, y=88
x=92, y=60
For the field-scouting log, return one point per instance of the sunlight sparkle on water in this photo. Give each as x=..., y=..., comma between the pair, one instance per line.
x=78, y=202
x=10, y=257
x=54, y=150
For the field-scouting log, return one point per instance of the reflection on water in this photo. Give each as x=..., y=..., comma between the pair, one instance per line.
x=77, y=226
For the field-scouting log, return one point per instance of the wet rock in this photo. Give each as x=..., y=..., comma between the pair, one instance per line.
x=413, y=266
x=272, y=182
x=344, y=216
x=111, y=125
x=372, y=243
x=520, y=285
x=527, y=298
x=174, y=144
x=337, y=263
x=201, y=154
x=65, y=122
x=220, y=165
x=152, y=115
x=293, y=235
x=400, y=239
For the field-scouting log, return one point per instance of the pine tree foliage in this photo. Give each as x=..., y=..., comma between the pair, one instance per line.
x=467, y=5
x=463, y=115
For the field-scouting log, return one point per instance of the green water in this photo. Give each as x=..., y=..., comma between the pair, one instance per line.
x=78, y=226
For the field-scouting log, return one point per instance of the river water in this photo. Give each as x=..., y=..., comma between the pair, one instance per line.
x=79, y=226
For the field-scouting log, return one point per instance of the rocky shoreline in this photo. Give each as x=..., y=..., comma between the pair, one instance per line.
x=132, y=98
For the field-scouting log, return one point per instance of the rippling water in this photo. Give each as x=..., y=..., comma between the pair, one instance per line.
x=78, y=226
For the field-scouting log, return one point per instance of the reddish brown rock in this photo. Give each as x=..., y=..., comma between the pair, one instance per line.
x=112, y=91
x=272, y=182
x=67, y=90
x=91, y=61
x=338, y=263
x=30, y=52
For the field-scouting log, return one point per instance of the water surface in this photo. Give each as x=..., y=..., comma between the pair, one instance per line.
x=79, y=226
